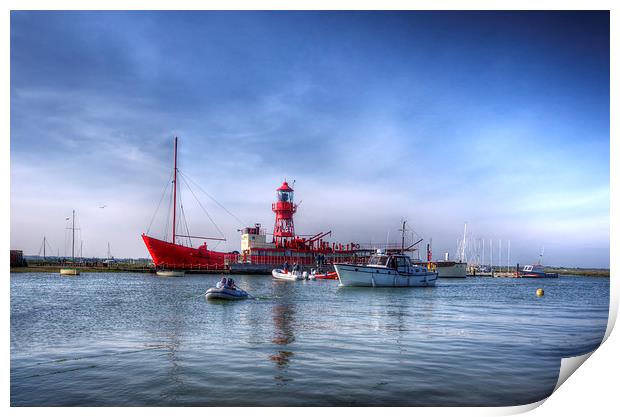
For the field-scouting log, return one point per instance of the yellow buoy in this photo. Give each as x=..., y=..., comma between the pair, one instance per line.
x=540, y=292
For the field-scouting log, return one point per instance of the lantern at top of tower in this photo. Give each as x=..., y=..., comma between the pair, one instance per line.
x=285, y=193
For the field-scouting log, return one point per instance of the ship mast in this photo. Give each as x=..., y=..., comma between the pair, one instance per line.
x=174, y=204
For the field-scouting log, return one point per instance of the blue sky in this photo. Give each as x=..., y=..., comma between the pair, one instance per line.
x=500, y=120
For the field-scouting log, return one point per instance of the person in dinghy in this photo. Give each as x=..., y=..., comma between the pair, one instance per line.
x=226, y=283
x=226, y=289
x=221, y=283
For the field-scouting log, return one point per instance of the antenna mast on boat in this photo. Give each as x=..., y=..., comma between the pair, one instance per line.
x=402, y=241
x=174, y=204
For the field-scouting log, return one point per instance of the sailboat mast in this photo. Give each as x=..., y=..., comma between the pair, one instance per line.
x=500, y=256
x=43, y=247
x=463, y=246
x=73, y=237
x=508, y=263
x=174, y=204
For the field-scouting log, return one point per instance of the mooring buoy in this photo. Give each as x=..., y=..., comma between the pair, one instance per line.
x=540, y=292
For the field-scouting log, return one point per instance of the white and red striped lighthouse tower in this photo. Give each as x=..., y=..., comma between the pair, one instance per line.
x=284, y=229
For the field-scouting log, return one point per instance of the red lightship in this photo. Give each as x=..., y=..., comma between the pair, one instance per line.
x=285, y=246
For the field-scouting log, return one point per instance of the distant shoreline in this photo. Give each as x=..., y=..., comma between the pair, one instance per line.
x=588, y=272
x=19, y=269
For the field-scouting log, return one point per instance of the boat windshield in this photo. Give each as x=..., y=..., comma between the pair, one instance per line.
x=380, y=260
x=402, y=262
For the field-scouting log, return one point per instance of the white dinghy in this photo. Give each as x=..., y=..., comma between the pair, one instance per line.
x=289, y=276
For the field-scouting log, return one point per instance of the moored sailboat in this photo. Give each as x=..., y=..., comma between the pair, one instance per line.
x=71, y=271
x=174, y=256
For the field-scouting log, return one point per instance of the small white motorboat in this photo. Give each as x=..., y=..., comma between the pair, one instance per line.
x=69, y=271
x=289, y=276
x=385, y=271
x=225, y=293
x=166, y=273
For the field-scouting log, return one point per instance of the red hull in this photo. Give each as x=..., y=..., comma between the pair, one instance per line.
x=329, y=275
x=169, y=255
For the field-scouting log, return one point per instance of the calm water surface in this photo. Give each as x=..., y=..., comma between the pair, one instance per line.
x=138, y=339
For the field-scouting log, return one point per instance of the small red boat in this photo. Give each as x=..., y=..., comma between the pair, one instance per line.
x=327, y=275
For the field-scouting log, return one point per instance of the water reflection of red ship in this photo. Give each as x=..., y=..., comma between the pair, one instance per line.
x=283, y=325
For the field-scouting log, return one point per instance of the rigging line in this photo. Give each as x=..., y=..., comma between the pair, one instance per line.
x=180, y=215
x=148, y=229
x=241, y=223
x=183, y=222
x=168, y=218
x=184, y=219
x=66, y=241
x=188, y=240
x=202, y=207
x=48, y=244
